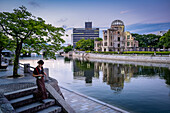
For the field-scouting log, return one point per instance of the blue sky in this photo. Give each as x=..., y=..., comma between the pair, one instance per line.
x=139, y=16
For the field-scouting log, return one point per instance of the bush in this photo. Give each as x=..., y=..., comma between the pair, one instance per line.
x=147, y=52
x=131, y=52
x=88, y=51
x=105, y=52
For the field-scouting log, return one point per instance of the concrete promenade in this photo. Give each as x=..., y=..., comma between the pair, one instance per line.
x=84, y=104
x=79, y=102
x=134, y=58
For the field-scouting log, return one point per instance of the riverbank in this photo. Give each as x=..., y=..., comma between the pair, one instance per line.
x=134, y=58
x=78, y=101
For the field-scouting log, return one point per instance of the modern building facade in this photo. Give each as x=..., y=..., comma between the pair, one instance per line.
x=116, y=39
x=85, y=33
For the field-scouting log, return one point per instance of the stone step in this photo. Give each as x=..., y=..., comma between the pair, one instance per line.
x=51, y=109
x=21, y=101
x=20, y=93
x=35, y=106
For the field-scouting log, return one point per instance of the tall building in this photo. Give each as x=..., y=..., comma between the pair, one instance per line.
x=116, y=39
x=85, y=33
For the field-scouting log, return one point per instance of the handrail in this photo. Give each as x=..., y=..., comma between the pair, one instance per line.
x=29, y=66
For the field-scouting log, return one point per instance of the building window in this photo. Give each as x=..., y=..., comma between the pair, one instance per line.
x=98, y=45
x=118, y=38
x=131, y=43
x=128, y=43
x=105, y=38
x=118, y=32
x=128, y=36
x=118, y=45
x=105, y=44
x=116, y=28
x=111, y=43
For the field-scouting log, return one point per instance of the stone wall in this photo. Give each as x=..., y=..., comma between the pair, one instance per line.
x=141, y=58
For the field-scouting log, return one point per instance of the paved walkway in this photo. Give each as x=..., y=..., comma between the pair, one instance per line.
x=10, y=84
x=84, y=104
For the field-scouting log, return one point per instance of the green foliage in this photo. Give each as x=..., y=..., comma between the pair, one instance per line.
x=30, y=33
x=85, y=45
x=103, y=52
x=165, y=40
x=88, y=51
x=146, y=52
x=68, y=48
x=6, y=42
x=149, y=40
x=99, y=39
x=131, y=52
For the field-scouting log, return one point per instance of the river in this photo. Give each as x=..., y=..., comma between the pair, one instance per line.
x=132, y=86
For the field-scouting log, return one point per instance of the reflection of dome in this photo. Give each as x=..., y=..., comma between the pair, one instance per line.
x=118, y=22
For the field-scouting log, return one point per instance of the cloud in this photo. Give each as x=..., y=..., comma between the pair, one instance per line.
x=62, y=20
x=33, y=3
x=143, y=28
x=123, y=12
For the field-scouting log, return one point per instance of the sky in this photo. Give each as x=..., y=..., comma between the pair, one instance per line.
x=139, y=16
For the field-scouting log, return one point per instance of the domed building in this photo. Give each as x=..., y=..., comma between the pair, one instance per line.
x=116, y=39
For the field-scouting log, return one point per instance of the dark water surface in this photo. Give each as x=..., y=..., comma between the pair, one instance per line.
x=136, y=88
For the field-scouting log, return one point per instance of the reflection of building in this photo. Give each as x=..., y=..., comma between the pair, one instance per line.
x=116, y=39
x=85, y=33
x=83, y=70
x=115, y=74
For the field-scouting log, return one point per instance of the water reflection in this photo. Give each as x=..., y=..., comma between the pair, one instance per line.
x=83, y=69
x=115, y=75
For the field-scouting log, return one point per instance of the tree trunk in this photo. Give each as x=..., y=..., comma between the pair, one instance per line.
x=16, y=59
x=0, y=57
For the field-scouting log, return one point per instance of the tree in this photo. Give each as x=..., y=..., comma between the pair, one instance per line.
x=99, y=39
x=5, y=43
x=30, y=33
x=68, y=48
x=149, y=40
x=165, y=40
x=85, y=45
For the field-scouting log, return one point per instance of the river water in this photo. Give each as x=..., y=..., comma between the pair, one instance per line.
x=133, y=87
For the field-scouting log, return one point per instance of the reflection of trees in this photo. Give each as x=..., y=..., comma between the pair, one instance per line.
x=166, y=75
x=115, y=74
x=67, y=60
x=83, y=69
x=147, y=71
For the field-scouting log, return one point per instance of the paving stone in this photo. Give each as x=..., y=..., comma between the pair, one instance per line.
x=84, y=105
